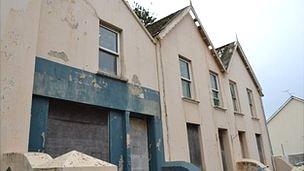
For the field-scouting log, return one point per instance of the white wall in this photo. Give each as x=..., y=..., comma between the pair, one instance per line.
x=287, y=129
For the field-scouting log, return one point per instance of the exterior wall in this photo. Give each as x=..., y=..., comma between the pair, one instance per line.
x=69, y=34
x=245, y=122
x=65, y=32
x=287, y=129
x=185, y=40
x=19, y=33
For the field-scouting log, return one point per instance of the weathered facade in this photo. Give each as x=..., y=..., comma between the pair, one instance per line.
x=82, y=75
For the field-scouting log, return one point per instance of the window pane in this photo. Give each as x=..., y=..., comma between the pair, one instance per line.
x=107, y=62
x=235, y=107
x=232, y=89
x=216, y=102
x=215, y=94
x=108, y=39
x=184, y=69
x=249, y=97
x=213, y=79
x=186, y=89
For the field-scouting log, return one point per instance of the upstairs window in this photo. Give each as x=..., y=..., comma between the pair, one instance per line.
x=234, y=96
x=215, y=90
x=185, y=77
x=108, y=50
x=251, y=103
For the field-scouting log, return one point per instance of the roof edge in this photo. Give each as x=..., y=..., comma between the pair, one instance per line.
x=208, y=41
x=139, y=22
x=249, y=69
x=201, y=29
x=292, y=97
x=173, y=23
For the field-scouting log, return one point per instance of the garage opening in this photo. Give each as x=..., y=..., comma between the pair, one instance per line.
x=74, y=126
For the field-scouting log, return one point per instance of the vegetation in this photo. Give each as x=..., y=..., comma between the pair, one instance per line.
x=143, y=14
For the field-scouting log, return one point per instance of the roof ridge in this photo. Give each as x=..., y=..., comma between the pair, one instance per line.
x=233, y=42
x=162, y=23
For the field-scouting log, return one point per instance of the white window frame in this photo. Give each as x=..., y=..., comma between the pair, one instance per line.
x=116, y=54
x=238, y=106
x=188, y=62
x=216, y=90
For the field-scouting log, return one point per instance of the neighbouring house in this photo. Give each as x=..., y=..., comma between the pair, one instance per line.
x=286, y=130
x=212, y=109
x=82, y=75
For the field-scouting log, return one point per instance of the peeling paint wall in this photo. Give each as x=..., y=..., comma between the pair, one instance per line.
x=69, y=34
x=19, y=34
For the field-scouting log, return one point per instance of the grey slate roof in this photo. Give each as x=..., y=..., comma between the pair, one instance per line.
x=156, y=27
x=225, y=53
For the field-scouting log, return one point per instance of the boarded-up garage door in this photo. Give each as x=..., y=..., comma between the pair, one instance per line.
x=139, y=145
x=73, y=126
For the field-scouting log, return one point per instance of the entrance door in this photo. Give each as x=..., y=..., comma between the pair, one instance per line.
x=73, y=126
x=139, y=144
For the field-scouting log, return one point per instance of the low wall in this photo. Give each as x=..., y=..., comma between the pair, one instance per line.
x=281, y=164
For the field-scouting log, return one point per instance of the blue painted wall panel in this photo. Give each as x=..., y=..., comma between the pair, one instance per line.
x=117, y=138
x=63, y=82
x=38, y=125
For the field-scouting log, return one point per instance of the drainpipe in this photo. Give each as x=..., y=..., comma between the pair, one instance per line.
x=161, y=86
x=271, y=151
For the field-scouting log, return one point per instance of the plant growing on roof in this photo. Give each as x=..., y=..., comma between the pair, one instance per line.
x=145, y=16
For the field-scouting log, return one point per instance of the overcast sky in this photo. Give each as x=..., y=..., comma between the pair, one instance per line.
x=271, y=33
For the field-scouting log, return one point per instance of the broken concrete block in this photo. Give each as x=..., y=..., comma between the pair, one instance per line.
x=76, y=160
x=72, y=161
x=24, y=161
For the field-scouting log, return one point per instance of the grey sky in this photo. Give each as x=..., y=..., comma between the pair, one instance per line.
x=271, y=33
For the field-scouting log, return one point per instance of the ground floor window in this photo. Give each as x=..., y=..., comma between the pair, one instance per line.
x=225, y=149
x=243, y=144
x=194, y=144
x=74, y=126
x=260, y=147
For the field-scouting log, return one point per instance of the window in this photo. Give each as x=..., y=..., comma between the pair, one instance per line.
x=251, y=103
x=260, y=148
x=243, y=144
x=194, y=144
x=225, y=149
x=234, y=96
x=108, y=50
x=215, y=89
x=185, y=77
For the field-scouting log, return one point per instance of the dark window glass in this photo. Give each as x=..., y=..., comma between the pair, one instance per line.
x=260, y=147
x=213, y=79
x=186, y=88
x=107, y=62
x=225, y=149
x=234, y=96
x=184, y=69
x=108, y=39
x=251, y=103
x=194, y=144
x=243, y=143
